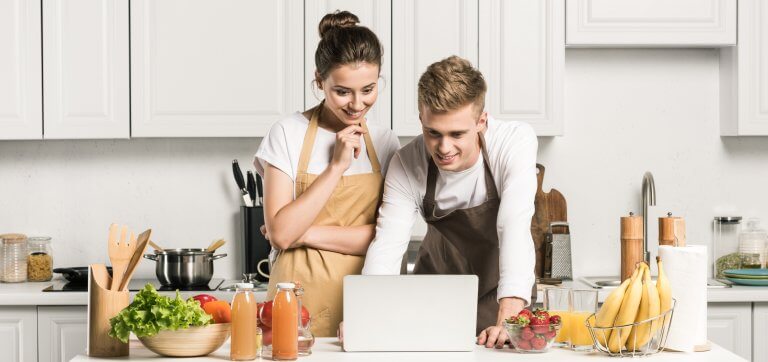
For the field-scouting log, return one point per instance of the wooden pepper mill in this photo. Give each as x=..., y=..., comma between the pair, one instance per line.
x=631, y=244
x=672, y=230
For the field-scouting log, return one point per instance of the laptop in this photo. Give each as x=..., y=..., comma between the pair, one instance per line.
x=393, y=313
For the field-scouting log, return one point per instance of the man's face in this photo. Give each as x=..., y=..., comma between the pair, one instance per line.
x=452, y=138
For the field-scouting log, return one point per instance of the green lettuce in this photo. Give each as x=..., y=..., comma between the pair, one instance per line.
x=150, y=313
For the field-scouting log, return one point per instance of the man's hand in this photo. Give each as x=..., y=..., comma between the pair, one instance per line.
x=496, y=336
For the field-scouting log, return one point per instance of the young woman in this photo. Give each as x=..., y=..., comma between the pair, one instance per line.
x=323, y=173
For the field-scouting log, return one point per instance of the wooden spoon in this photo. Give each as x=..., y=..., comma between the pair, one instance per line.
x=215, y=245
x=141, y=246
x=120, y=253
x=155, y=246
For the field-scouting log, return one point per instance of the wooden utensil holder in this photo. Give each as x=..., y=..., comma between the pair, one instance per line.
x=104, y=304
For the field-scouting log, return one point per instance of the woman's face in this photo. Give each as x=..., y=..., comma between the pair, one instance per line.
x=350, y=91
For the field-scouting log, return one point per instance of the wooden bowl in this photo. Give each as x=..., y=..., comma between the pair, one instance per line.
x=190, y=342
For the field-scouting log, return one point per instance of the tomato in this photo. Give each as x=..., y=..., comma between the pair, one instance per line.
x=204, y=298
x=266, y=336
x=265, y=314
x=219, y=310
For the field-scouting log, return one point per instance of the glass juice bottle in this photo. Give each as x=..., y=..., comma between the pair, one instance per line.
x=246, y=335
x=285, y=321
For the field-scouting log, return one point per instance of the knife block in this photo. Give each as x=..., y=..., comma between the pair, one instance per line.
x=256, y=247
x=104, y=304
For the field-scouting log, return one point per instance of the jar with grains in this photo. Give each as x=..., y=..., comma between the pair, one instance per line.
x=40, y=259
x=14, y=248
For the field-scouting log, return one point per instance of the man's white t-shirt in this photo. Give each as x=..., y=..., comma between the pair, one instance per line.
x=511, y=147
x=281, y=148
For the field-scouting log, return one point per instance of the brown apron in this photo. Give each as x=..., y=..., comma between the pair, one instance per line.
x=353, y=202
x=465, y=241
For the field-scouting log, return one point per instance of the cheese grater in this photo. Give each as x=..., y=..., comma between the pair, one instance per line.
x=558, y=251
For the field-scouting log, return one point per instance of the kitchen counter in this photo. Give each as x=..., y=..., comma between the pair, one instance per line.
x=31, y=294
x=329, y=349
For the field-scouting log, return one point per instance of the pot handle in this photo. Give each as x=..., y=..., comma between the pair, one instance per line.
x=152, y=257
x=218, y=256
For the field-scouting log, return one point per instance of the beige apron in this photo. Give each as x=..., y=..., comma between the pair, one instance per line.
x=465, y=241
x=353, y=202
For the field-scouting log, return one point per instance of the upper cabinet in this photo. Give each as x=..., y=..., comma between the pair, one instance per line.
x=665, y=23
x=215, y=68
x=522, y=56
x=744, y=75
x=21, y=94
x=374, y=14
x=85, y=69
x=423, y=32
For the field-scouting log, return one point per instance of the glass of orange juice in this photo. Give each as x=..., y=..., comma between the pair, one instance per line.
x=583, y=303
x=557, y=301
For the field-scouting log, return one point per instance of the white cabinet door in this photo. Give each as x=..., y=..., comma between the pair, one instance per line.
x=760, y=332
x=18, y=333
x=85, y=69
x=744, y=75
x=730, y=326
x=676, y=23
x=522, y=56
x=62, y=332
x=215, y=68
x=423, y=32
x=374, y=14
x=21, y=103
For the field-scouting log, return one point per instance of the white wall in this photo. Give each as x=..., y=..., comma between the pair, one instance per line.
x=627, y=111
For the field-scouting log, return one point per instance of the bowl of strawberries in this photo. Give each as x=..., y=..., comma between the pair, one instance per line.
x=532, y=332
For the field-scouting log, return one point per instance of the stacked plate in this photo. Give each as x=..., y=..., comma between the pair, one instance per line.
x=757, y=277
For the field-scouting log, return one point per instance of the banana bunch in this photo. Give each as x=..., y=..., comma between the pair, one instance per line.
x=635, y=300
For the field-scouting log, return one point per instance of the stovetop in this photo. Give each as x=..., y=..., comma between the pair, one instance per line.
x=134, y=285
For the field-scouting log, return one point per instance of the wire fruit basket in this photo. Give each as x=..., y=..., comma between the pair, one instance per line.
x=649, y=338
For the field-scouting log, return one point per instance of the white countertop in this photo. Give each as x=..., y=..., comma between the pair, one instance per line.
x=32, y=294
x=329, y=349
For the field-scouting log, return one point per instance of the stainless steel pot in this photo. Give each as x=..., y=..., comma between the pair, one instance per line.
x=184, y=267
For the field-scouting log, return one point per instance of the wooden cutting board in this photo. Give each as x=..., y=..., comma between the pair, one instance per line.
x=550, y=207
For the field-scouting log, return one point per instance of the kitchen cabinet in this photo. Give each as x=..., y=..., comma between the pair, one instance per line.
x=423, y=32
x=21, y=102
x=374, y=14
x=522, y=57
x=666, y=23
x=215, y=68
x=18, y=333
x=62, y=332
x=85, y=69
x=744, y=75
x=760, y=332
x=730, y=326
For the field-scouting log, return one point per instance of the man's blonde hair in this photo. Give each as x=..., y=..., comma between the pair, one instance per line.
x=450, y=84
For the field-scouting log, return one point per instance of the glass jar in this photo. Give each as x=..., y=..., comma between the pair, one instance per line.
x=14, y=257
x=39, y=259
x=752, y=245
x=725, y=244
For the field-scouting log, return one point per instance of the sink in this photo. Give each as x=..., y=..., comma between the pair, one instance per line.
x=613, y=282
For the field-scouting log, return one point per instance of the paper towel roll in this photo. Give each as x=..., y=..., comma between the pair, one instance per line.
x=686, y=268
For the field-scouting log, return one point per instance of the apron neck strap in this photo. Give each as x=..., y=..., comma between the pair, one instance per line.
x=309, y=142
x=433, y=172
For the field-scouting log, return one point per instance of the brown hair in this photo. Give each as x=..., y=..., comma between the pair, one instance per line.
x=342, y=42
x=450, y=84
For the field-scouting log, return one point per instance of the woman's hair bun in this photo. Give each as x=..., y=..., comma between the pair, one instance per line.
x=337, y=19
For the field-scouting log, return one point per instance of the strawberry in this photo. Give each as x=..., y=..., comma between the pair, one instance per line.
x=527, y=334
x=524, y=345
x=540, y=324
x=526, y=313
x=541, y=313
x=523, y=320
x=538, y=343
x=550, y=335
x=555, y=319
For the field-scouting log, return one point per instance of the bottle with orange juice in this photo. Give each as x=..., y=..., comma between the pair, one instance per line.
x=246, y=335
x=285, y=321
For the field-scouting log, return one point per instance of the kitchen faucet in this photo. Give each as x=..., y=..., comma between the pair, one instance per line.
x=649, y=199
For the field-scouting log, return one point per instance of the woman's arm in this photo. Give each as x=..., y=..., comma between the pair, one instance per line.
x=350, y=240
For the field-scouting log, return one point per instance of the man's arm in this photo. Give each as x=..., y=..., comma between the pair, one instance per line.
x=397, y=214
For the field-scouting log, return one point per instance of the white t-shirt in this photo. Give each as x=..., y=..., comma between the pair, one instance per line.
x=281, y=147
x=511, y=147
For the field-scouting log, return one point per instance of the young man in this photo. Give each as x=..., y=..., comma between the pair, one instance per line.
x=473, y=180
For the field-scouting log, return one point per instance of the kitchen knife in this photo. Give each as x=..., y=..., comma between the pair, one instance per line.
x=251, y=187
x=259, y=187
x=241, y=183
